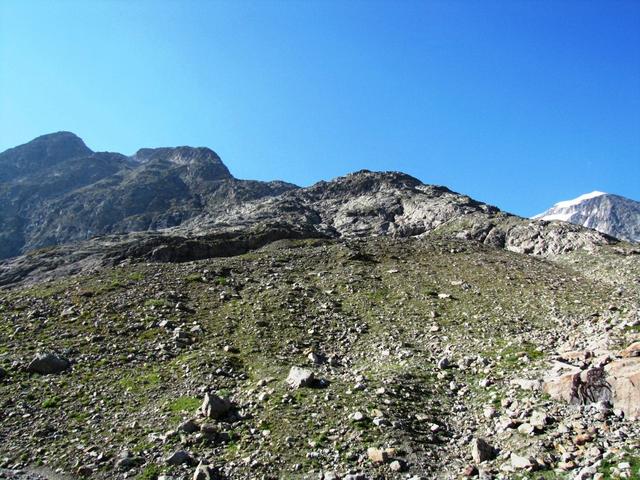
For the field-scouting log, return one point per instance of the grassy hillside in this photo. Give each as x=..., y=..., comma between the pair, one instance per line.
x=146, y=341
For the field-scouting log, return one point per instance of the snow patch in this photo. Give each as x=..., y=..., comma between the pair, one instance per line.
x=563, y=217
x=580, y=199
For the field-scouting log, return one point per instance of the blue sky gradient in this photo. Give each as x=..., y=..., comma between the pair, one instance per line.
x=517, y=103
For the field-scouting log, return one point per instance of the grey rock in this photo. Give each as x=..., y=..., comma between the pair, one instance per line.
x=300, y=377
x=48, y=363
x=125, y=461
x=179, y=457
x=443, y=363
x=214, y=406
x=189, y=426
x=539, y=419
x=520, y=462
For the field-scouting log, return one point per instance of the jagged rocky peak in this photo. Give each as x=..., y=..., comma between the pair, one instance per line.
x=204, y=159
x=607, y=213
x=41, y=152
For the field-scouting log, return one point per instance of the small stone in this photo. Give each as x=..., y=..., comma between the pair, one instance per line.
x=126, y=461
x=203, y=472
x=485, y=382
x=179, y=457
x=357, y=416
x=470, y=471
x=489, y=412
x=377, y=455
x=300, y=377
x=397, y=466
x=444, y=363
x=582, y=438
x=539, y=419
x=520, y=462
x=84, y=471
x=315, y=358
x=190, y=426
x=526, y=429
x=214, y=406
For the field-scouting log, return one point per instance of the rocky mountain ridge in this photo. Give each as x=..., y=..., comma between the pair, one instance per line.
x=614, y=215
x=55, y=190
x=197, y=210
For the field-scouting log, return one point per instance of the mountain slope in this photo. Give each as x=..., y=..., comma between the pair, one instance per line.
x=611, y=214
x=418, y=345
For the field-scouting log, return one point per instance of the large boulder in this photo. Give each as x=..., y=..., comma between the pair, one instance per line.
x=48, y=363
x=624, y=377
x=616, y=382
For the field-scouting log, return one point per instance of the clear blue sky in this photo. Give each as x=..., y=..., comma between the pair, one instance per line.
x=516, y=103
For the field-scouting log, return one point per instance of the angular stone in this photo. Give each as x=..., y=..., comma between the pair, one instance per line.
x=190, y=426
x=481, y=451
x=470, y=471
x=377, y=455
x=203, y=472
x=214, y=406
x=48, y=363
x=539, y=419
x=300, y=377
x=443, y=363
x=526, y=429
x=179, y=457
x=579, y=386
x=520, y=462
x=125, y=461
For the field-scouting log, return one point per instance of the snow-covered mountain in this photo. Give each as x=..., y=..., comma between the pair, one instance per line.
x=611, y=214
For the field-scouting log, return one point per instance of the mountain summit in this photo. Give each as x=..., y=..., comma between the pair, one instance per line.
x=611, y=214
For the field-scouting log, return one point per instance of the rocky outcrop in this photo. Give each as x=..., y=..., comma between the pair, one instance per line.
x=583, y=377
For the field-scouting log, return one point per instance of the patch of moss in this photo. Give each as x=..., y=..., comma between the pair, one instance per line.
x=150, y=472
x=184, y=404
x=51, y=402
